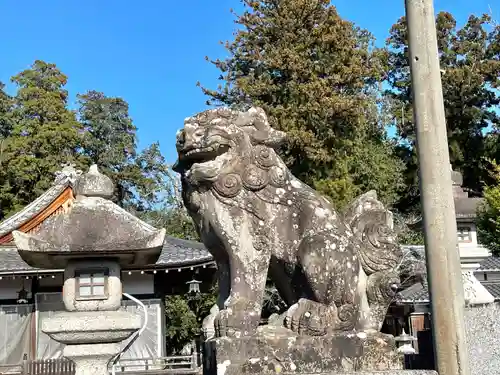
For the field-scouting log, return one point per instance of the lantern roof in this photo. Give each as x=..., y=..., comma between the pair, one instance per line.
x=94, y=227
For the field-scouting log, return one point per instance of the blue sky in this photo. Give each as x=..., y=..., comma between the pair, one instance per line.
x=151, y=53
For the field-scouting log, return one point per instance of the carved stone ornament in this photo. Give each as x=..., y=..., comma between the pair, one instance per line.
x=254, y=178
x=228, y=185
x=336, y=272
x=264, y=157
x=278, y=176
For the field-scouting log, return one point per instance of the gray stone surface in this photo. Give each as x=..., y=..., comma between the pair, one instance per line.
x=273, y=350
x=94, y=227
x=113, y=286
x=91, y=327
x=337, y=272
x=390, y=372
x=91, y=359
x=175, y=253
x=94, y=237
x=482, y=327
x=439, y=220
x=94, y=184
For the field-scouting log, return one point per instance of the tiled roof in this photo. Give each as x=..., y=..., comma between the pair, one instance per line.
x=475, y=292
x=491, y=263
x=416, y=293
x=181, y=252
x=493, y=288
x=11, y=261
x=175, y=253
x=64, y=178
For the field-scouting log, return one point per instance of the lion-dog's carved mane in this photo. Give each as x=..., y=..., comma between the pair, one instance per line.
x=336, y=272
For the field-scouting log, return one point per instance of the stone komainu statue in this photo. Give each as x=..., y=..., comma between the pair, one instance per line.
x=337, y=272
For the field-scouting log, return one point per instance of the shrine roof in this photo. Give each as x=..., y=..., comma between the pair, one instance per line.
x=64, y=179
x=493, y=289
x=492, y=263
x=417, y=293
x=475, y=291
x=176, y=253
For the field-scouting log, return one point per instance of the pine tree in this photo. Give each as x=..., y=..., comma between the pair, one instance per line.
x=316, y=75
x=5, y=130
x=470, y=63
x=38, y=133
x=488, y=218
x=110, y=141
x=43, y=135
x=6, y=104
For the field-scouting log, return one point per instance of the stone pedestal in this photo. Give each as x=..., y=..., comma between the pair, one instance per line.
x=380, y=353
x=389, y=372
x=92, y=338
x=91, y=359
x=276, y=350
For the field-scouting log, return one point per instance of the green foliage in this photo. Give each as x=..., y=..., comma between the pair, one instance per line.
x=110, y=141
x=488, y=219
x=411, y=237
x=38, y=133
x=316, y=76
x=470, y=61
x=44, y=133
x=408, y=228
x=172, y=214
x=175, y=220
x=184, y=315
x=181, y=324
x=6, y=104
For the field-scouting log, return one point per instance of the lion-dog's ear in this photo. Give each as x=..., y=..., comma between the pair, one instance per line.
x=256, y=124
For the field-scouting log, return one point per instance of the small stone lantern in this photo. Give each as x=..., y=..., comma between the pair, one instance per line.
x=193, y=286
x=92, y=242
x=405, y=343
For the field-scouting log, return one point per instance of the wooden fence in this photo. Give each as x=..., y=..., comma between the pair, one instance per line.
x=11, y=369
x=61, y=366
x=174, y=365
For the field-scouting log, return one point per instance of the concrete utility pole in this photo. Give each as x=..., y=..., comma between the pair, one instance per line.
x=440, y=227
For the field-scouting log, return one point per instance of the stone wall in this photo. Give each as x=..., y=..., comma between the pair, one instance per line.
x=482, y=326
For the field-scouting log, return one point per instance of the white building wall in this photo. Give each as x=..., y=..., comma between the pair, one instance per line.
x=134, y=284
x=52, y=281
x=473, y=232
x=137, y=283
x=9, y=288
x=471, y=252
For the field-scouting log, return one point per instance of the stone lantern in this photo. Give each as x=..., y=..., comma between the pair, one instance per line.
x=405, y=343
x=92, y=242
x=193, y=286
